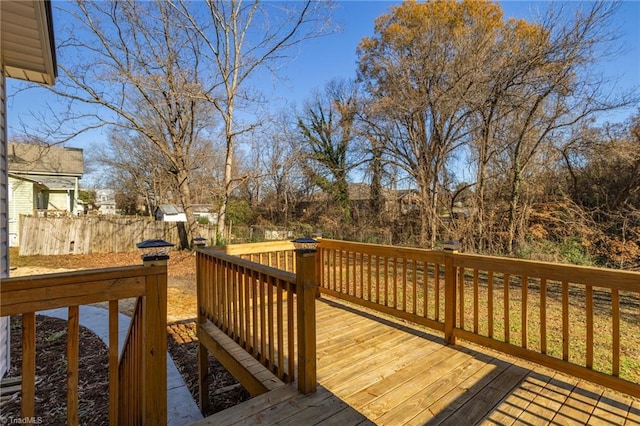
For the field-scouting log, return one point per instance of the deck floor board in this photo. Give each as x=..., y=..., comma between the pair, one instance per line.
x=374, y=369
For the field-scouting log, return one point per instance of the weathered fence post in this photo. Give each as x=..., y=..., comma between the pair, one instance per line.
x=306, y=306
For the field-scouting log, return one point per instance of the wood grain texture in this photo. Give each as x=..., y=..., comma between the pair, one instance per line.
x=238, y=362
x=28, y=364
x=530, y=305
x=376, y=369
x=114, y=352
x=73, y=346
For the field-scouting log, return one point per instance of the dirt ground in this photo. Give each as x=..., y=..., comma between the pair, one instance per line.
x=181, y=271
x=224, y=390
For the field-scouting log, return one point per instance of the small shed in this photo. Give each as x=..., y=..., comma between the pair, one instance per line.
x=170, y=213
x=203, y=211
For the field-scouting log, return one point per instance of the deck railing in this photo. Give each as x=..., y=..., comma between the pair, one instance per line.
x=404, y=282
x=580, y=320
x=276, y=254
x=137, y=379
x=266, y=311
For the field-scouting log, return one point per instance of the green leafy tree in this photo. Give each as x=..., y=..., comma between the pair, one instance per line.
x=327, y=127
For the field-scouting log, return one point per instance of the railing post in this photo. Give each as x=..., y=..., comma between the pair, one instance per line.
x=203, y=353
x=318, y=272
x=306, y=306
x=449, y=297
x=154, y=357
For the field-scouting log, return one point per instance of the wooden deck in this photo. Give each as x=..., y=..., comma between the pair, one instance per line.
x=375, y=370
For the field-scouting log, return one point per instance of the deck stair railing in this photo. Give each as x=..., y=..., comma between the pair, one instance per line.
x=276, y=254
x=268, y=312
x=137, y=376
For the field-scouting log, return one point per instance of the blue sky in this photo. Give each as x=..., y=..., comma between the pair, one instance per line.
x=335, y=56
x=318, y=61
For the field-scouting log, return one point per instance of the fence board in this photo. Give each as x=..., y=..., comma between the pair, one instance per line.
x=86, y=235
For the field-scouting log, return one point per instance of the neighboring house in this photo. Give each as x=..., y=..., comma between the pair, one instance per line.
x=175, y=213
x=106, y=201
x=394, y=202
x=170, y=213
x=42, y=180
x=408, y=201
x=27, y=53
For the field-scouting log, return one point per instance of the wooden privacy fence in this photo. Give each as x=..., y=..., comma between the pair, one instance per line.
x=96, y=234
x=269, y=312
x=137, y=376
x=580, y=320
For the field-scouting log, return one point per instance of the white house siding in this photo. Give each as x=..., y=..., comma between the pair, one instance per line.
x=21, y=201
x=4, y=219
x=58, y=201
x=61, y=200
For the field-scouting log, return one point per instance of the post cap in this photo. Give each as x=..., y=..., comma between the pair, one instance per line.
x=305, y=245
x=155, y=249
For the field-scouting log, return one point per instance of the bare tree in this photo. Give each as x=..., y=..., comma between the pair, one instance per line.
x=451, y=76
x=161, y=68
x=136, y=66
x=240, y=40
x=420, y=69
x=279, y=157
x=327, y=127
x=550, y=92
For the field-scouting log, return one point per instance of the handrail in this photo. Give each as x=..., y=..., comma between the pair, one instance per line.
x=51, y=291
x=29, y=294
x=257, y=306
x=277, y=254
x=601, y=277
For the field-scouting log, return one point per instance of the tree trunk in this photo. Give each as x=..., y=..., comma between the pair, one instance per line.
x=424, y=214
x=514, y=198
x=185, y=200
x=481, y=238
x=375, y=199
x=228, y=171
x=433, y=214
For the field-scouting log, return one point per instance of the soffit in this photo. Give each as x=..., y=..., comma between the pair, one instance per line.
x=27, y=40
x=53, y=183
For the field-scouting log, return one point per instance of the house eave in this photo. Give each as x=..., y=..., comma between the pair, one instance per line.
x=35, y=173
x=28, y=46
x=53, y=183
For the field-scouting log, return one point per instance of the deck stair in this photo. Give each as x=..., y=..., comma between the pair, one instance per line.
x=256, y=378
x=286, y=405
